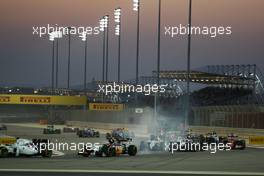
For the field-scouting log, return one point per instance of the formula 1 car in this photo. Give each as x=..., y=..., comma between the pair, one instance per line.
x=88, y=132
x=51, y=130
x=155, y=143
x=3, y=127
x=234, y=141
x=70, y=129
x=212, y=138
x=25, y=147
x=120, y=134
x=159, y=142
x=113, y=148
x=188, y=143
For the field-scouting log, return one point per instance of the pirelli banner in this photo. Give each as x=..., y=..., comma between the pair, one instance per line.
x=43, y=100
x=105, y=107
x=256, y=140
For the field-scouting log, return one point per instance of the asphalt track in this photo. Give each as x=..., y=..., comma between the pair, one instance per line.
x=236, y=162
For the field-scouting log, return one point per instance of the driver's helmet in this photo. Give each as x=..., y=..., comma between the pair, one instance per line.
x=111, y=141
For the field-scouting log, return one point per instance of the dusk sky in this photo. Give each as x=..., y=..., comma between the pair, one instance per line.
x=26, y=58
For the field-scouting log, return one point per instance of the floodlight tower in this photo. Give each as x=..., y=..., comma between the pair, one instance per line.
x=136, y=7
x=117, y=14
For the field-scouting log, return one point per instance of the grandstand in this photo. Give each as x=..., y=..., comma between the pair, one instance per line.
x=222, y=95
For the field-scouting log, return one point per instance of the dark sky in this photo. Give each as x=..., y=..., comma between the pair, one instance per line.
x=26, y=59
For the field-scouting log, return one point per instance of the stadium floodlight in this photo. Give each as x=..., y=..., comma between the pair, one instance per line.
x=106, y=17
x=103, y=24
x=55, y=34
x=83, y=36
x=136, y=5
x=117, y=15
x=52, y=36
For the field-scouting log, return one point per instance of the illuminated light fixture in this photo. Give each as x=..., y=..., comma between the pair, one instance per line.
x=55, y=34
x=103, y=23
x=136, y=5
x=83, y=36
x=117, y=29
x=117, y=16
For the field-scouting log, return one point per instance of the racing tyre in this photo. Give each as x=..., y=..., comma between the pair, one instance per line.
x=243, y=145
x=97, y=134
x=3, y=152
x=132, y=150
x=108, y=135
x=57, y=131
x=98, y=154
x=45, y=131
x=46, y=153
x=111, y=152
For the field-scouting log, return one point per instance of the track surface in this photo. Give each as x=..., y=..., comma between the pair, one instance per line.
x=232, y=162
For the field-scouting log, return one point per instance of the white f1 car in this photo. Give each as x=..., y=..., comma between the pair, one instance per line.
x=25, y=147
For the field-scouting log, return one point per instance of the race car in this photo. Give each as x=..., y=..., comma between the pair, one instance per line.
x=155, y=143
x=88, y=132
x=234, y=141
x=188, y=143
x=51, y=130
x=120, y=134
x=160, y=141
x=25, y=147
x=70, y=129
x=3, y=127
x=113, y=148
x=212, y=138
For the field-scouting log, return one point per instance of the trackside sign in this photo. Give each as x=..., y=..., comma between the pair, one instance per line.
x=256, y=140
x=42, y=100
x=105, y=107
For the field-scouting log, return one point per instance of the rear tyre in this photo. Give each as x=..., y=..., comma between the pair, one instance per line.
x=46, y=153
x=243, y=145
x=111, y=152
x=45, y=131
x=3, y=152
x=132, y=150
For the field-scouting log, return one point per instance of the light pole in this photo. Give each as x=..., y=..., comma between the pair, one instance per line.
x=107, y=41
x=102, y=28
x=117, y=14
x=84, y=38
x=188, y=66
x=69, y=57
x=103, y=24
x=57, y=62
x=156, y=98
x=136, y=7
x=51, y=38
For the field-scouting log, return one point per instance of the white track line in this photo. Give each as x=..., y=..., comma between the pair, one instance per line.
x=135, y=172
x=257, y=147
